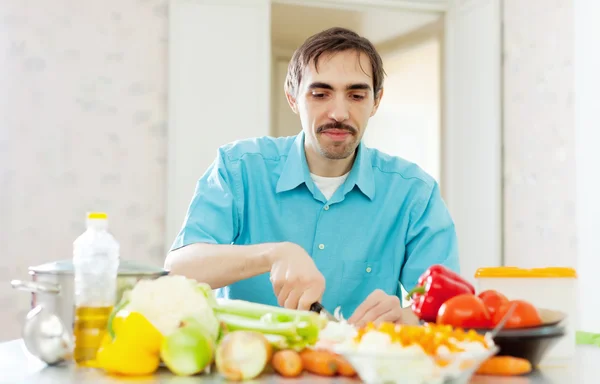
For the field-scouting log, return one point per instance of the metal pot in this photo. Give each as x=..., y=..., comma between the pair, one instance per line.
x=52, y=285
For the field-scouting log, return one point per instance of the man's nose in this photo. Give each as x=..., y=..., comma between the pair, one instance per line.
x=339, y=110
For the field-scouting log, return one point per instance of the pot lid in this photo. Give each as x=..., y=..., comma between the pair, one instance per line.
x=126, y=267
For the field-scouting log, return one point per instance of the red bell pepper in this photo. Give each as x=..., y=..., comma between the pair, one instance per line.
x=434, y=287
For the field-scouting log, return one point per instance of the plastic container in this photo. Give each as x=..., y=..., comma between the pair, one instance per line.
x=95, y=265
x=548, y=288
x=399, y=368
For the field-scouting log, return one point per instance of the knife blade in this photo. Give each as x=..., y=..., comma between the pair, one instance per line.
x=319, y=308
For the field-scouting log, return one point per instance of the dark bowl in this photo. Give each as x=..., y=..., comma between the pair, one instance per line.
x=530, y=343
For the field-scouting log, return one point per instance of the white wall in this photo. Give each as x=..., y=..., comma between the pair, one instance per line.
x=83, y=126
x=551, y=146
x=539, y=141
x=587, y=157
x=408, y=122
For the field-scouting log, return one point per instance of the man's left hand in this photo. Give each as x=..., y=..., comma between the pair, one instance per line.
x=380, y=307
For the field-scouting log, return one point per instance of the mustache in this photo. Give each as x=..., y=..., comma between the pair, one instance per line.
x=337, y=125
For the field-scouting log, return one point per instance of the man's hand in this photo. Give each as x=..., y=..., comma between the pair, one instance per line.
x=380, y=307
x=297, y=282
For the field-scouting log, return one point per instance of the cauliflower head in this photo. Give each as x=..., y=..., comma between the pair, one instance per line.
x=168, y=299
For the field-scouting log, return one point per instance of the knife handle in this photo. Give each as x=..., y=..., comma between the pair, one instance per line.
x=316, y=307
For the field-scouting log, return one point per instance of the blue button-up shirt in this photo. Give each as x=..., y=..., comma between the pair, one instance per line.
x=384, y=226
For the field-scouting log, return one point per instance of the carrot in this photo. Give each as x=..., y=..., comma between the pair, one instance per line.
x=505, y=366
x=344, y=367
x=287, y=363
x=321, y=363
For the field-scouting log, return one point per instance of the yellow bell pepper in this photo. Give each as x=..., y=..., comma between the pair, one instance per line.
x=135, y=349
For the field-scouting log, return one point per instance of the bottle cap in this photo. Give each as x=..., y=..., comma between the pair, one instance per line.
x=97, y=216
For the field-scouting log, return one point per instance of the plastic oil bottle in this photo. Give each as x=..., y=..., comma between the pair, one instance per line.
x=95, y=263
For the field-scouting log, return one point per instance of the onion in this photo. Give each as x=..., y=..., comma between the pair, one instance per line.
x=243, y=355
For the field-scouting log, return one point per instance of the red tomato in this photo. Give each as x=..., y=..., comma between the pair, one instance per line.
x=525, y=315
x=492, y=300
x=464, y=311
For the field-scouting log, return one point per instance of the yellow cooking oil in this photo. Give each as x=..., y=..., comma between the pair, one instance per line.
x=89, y=328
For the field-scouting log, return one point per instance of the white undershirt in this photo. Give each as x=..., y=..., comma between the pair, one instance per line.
x=328, y=185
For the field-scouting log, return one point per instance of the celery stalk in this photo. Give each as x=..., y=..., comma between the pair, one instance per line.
x=308, y=331
x=300, y=328
x=276, y=314
x=277, y=341
x=237, y=323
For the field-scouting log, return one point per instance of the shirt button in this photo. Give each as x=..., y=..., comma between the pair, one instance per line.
x=321, y=246
x=368, y=269
x=326, y=207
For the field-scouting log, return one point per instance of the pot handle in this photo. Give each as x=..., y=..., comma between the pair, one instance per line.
x=35, y=286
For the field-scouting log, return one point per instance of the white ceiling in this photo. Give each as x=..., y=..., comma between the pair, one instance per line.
x=292, y=24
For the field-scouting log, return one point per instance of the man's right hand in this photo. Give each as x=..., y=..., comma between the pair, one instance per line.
x=297, y=282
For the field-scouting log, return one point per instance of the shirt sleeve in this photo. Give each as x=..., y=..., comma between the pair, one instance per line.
x=431, y=239
x=213, y=214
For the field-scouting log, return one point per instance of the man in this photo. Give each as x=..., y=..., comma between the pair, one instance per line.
x=318, y=217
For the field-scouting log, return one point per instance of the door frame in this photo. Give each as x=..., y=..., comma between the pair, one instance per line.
x=436, y=6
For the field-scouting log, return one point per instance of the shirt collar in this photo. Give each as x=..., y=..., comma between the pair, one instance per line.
x=361, y=174
x=295, y=170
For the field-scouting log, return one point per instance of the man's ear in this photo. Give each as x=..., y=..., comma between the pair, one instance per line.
x=378, y=97
x=292, y=102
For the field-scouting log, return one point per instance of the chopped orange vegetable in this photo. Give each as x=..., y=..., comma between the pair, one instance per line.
x=505, y=366
x=429, y=336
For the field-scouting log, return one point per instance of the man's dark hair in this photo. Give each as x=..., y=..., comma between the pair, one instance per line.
x=332, y=40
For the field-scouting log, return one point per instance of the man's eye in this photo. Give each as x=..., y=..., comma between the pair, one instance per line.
x=358, y=97
x=317, y=95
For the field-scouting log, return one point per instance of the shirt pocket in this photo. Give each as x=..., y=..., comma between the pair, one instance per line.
x=361, y=277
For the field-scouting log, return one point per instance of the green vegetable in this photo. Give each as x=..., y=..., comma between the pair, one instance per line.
x=189, y=349
x=284, y=328
x=587, y=338
x=168, y=300
x=192, y=324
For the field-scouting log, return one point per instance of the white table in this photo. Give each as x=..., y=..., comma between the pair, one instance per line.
x=18, y=366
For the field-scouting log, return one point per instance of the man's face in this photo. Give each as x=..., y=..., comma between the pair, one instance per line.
x=336, y=103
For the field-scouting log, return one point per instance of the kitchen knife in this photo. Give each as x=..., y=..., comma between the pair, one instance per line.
x=318, y=308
